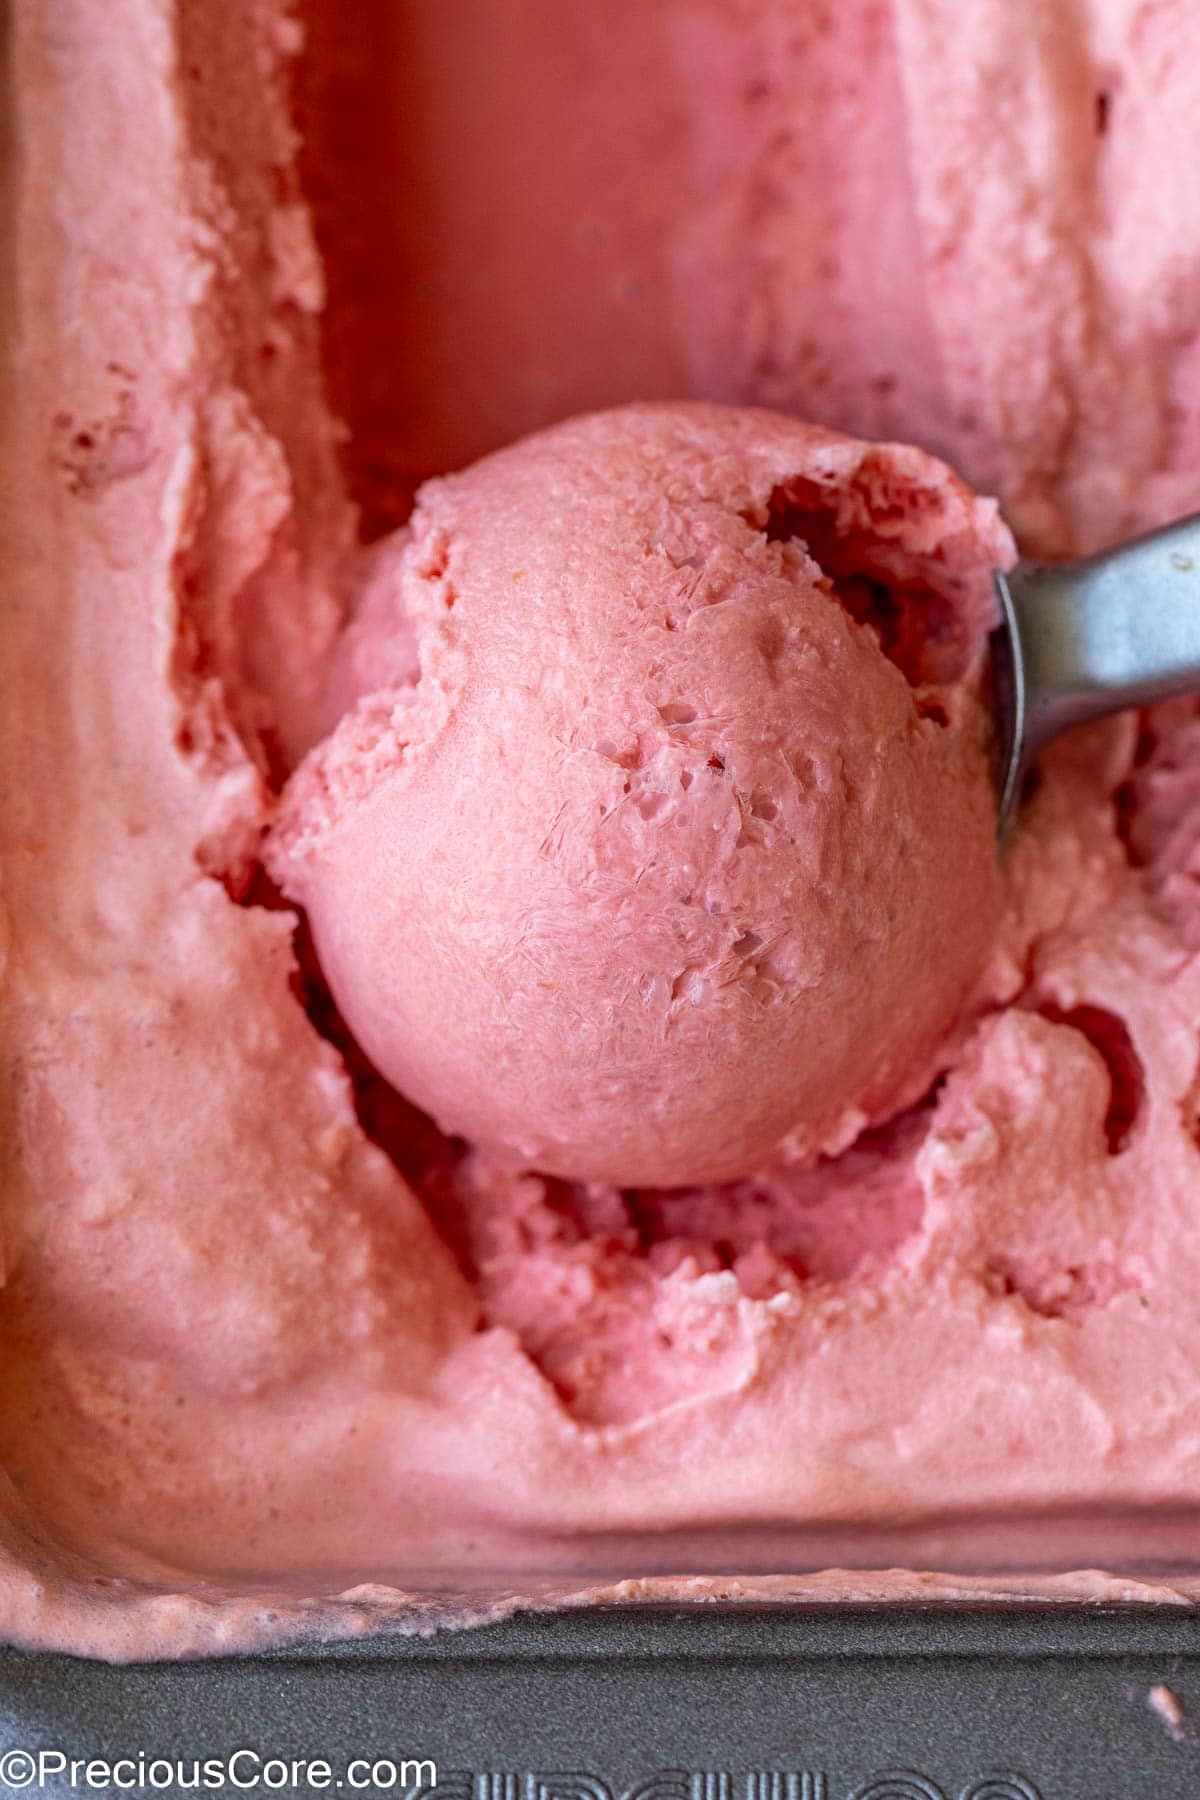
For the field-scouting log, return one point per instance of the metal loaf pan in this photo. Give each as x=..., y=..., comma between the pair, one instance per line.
x=700, y=1702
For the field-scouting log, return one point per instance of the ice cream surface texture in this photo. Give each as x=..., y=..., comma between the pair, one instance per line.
x=663, y=871
x=276, y=1353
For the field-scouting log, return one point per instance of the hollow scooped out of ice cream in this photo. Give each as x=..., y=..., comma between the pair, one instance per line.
x=667, y=867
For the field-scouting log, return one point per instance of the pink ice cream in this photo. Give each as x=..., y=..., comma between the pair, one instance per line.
x=664, y=871
x=279, y=1358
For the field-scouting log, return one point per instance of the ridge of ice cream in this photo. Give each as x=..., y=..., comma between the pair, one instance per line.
x=664, y=870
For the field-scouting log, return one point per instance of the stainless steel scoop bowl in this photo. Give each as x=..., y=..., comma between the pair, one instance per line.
x=1081, y=640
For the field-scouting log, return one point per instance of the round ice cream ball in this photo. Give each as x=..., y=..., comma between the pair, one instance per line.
x=677, y=860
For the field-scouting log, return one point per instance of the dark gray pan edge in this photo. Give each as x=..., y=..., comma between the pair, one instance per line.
x=746, y=1703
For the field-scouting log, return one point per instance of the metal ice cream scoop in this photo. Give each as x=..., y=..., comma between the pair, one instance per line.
x=1084, y=639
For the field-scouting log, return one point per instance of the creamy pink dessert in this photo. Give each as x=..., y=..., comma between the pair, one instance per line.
x=665, y=867
x=279, y=1357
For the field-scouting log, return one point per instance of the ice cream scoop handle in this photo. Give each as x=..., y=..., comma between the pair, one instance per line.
x=1118, y=630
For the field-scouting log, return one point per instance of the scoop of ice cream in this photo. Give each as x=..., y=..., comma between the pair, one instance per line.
x=677, y=858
